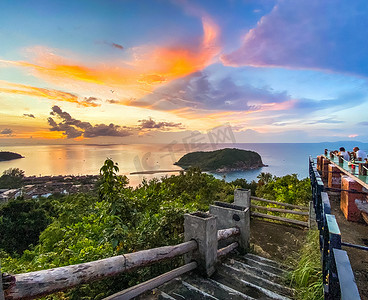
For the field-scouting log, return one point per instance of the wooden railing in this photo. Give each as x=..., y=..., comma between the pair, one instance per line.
x=36, y=284
x=338, y=277
x=149, y=285
x=40, y=283
x=293, y=209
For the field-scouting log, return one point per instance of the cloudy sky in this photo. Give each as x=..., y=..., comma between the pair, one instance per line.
x=125, y=71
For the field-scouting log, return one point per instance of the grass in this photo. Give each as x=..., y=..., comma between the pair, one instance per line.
x=306, y=278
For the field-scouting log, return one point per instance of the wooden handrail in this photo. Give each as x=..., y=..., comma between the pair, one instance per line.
x=227, y=249
x=277, y=218
x=280, y=203
x=143, y=287
x=40, y=283
x=223, y=234
x=286, y=211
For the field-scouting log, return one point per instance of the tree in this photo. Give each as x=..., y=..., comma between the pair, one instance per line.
x=21, y=222
x=264, y=178
x=11, y=178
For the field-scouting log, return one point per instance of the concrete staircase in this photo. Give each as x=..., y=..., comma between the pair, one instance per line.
x=239, y=277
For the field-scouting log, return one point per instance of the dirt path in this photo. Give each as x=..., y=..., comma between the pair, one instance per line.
x=275, y=241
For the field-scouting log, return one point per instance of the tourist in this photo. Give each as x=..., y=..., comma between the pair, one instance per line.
x=334, y=152
x=344, y=153
x=359, y=154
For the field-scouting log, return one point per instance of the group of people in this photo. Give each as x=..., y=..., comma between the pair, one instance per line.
x=356, y=154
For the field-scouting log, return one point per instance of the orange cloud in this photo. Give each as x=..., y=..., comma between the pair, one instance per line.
x=150, y=66
x=21, y=89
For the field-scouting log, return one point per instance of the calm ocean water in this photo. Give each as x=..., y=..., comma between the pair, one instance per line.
x=282, y=159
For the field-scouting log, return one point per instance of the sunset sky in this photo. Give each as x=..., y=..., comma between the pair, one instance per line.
x=120, y=71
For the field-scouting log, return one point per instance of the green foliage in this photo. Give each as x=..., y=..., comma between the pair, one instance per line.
x=242, y=183
x=288, y=189
x=307, y=276
x=114, y=219
x=265, y=178
x=87, y=227
x=21, y=222
x=224, y=158
x=11, y=178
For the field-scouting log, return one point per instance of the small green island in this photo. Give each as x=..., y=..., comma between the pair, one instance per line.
x=222, y=161
x=6, y=155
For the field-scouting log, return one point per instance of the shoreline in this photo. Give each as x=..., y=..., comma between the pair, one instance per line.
x=154, y=172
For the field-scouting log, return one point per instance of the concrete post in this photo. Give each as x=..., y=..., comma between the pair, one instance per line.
x=202, y=228
x=230, y=215
x=334, y=176
x=319, y=163
x=325, y=163
x=347, y=204
x=242, y=197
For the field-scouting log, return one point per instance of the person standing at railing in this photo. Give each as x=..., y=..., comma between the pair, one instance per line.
x=344, y=154
x=359, y=154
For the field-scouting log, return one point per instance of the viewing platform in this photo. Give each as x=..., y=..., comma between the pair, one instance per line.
x=348, y=179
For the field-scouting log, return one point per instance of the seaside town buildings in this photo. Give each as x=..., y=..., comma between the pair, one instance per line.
x=45, y=186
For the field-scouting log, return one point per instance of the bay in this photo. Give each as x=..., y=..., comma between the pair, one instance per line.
x=41, y=160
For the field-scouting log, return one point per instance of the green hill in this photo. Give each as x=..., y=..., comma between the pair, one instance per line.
x=6, y=155
x=224, y=160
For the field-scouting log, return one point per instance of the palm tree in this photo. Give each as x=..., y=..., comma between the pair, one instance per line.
x=264, y=178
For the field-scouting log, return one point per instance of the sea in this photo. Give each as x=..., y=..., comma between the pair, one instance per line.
x=157, y=160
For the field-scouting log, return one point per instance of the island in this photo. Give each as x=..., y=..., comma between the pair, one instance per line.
x=6, y=155
x=222, y=161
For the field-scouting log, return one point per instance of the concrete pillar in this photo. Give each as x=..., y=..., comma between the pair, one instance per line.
x=334, y=176
x=319, y=163
x=202, y=228
x=242, y=197
x=325, y=163
x=347, y=204
x=230, y=215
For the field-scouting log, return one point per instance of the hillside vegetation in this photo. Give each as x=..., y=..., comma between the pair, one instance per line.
x=223, y=160
x=115, y=219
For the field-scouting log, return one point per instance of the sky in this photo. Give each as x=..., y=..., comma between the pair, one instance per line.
x=157, y=71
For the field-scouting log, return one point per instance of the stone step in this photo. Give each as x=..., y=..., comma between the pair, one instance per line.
x=254, y=270
x=264, y=266
x=247, y=277
x=232, y=271
x=246, y=287
x=179, y=290
x=267, y=261
x=217, y=289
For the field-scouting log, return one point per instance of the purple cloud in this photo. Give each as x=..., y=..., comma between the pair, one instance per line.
x=74, y=128
x=7, y=131
x=198, y=91
x=151, y=124
x=29, y=115
x=310, y=34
